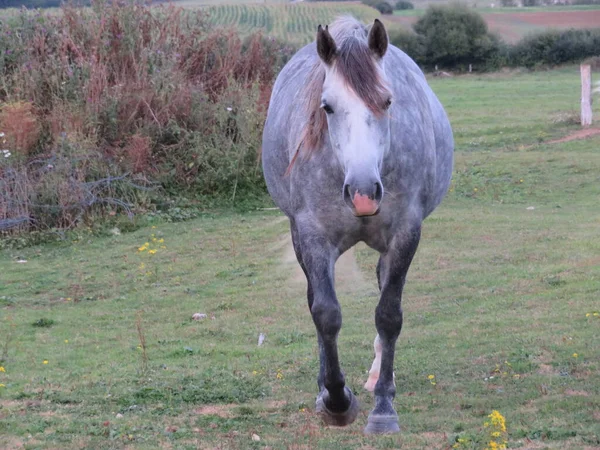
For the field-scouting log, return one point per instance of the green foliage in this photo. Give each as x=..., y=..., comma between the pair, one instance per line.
x=43, y=323
x=454, y=37
x=555, y=47
x=384, y=8
x=408, y=42
x=403, y=5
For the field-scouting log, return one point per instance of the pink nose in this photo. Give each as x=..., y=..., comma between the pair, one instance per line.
x=363, y=205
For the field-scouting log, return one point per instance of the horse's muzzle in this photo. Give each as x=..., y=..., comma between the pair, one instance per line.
x=364, y=200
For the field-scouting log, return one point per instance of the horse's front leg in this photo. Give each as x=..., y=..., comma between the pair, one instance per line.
x=317, y=256
x=388, y=321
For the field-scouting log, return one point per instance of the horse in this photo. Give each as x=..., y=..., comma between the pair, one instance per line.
x=356, y=147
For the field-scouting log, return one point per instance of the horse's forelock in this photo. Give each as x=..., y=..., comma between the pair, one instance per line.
x=356, y=66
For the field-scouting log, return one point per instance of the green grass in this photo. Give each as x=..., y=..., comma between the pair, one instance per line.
x=496, y=290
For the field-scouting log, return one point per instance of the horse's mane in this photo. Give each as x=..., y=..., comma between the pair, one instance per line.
x=355, y=64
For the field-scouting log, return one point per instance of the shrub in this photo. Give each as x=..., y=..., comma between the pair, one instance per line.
x=384, y=8
x=20, y=126
x=117, y=97
x=555, y=47
x=404, y=4
x=454, y=37
x=408, y=42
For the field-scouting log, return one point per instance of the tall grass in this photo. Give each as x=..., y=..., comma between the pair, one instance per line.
x=98, y=102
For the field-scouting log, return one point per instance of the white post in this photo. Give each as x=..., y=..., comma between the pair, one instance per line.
x=586, y=95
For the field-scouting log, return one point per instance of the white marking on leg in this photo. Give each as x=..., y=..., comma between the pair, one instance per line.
x=375, y=367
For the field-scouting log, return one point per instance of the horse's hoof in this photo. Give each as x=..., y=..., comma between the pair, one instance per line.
x=382, y=424
x=338, y=419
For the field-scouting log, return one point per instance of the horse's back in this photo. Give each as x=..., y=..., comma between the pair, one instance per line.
x=407, y=76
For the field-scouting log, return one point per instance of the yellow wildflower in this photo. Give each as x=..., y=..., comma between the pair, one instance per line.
x=575, y=355
x=596, y=314
x=498, y=421
x=588, y=315
x=2, y=385
x=161, y=240
x=66, y=341
x=45, y=361
x=431, y=377
x=152, y=252
x=2, y=369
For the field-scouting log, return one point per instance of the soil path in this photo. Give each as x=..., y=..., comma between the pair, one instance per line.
x=579, y=134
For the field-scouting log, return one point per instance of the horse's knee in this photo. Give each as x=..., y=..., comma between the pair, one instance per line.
x=388, y=320
x=327, y=318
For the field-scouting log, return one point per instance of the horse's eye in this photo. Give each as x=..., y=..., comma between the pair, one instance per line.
x=387, y=103
x=327, y=108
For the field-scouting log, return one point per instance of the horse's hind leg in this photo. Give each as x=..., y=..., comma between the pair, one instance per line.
x=317, y=256
x=388, y=320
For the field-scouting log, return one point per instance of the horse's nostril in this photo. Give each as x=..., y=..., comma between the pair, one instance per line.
x=347, y=195
x=347, y=191
x=378, y=192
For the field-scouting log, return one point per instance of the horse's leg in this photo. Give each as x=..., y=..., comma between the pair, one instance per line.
x=335, y=401
x=309, y=295
x=375, y=367
x=388, y=320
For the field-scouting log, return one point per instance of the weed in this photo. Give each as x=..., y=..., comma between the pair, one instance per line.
x=43, y=323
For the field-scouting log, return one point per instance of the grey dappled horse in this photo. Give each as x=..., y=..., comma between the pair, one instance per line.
x=356, y=147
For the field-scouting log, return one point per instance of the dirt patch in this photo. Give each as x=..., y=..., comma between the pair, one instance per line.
x=215, y=410
x=579, y=134
x=546, y=369
x=572, y=392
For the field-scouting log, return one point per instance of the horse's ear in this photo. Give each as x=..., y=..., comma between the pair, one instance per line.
x=378, y=39
x=325, y=45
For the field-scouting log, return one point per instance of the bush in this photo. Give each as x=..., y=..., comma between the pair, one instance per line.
x=454, y=37
x=404, y=4
x=408, y=42
x=108, y=101
x=555, y=47
x=384, y=8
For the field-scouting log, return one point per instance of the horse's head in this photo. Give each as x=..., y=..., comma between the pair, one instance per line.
x=355, y=98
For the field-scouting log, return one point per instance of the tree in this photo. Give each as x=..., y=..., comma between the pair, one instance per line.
x=454, y=36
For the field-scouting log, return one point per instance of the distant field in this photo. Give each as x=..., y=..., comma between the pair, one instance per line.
x=513, y=24
x=295, y=23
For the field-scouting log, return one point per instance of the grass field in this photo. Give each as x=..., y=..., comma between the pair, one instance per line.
x=99, y=350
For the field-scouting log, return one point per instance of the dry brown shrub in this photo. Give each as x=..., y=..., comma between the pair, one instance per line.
x=138, y=153
x=20, y=125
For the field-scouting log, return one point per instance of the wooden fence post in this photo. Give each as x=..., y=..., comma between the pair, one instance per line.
x=586, y=95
